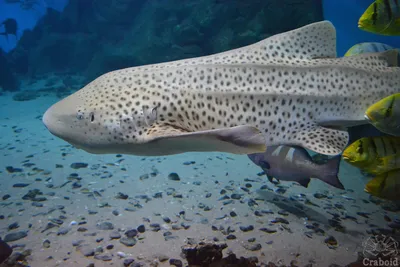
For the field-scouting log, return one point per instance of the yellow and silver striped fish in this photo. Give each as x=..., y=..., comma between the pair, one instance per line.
x=374, y=155
x=386, y=185
x=385, y=115
x=382, y=17
x=367, y=47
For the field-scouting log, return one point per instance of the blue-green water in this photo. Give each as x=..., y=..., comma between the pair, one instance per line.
x=61, y=206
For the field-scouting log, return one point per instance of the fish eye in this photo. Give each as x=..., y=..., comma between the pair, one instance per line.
x=79, y=115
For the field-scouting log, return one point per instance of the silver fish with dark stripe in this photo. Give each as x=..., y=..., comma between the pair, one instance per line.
x=367, y=47
x=293, y=163
x=385, y=115
x=382, y=17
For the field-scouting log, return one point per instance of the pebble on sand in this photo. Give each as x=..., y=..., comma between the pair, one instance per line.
x=252, y=247
x=79, y=165
x=331, y=242
x=115, y=235
x=173, y=176
x=11, y=169
x=105, y=226
x=128, y=241
x=15, y=236
x=20, y=185
x=86, y=250
x=175, y=262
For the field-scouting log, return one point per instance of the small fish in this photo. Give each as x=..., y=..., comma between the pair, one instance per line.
x=386, y=185
x=292, y=163
x=374, y=155
x=10, y=26
x=368, y=47
x=385, y=115
x=381, y=17
x=5, y=251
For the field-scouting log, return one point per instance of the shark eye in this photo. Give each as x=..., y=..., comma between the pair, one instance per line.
x=79, y=115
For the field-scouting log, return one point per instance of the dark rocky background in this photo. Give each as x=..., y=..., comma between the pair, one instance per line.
x=92, y=37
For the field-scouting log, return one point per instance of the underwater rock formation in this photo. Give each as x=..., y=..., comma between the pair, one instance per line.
x=210, y=254
x=8, y=80
x=26, y=95
x=94, y=37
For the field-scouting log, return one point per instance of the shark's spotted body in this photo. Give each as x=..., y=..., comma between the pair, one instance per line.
x=287, y=89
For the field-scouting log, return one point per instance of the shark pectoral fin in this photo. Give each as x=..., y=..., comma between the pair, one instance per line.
x=236, y=140
x=322, y=140
x=277, y=181
x=270, y=178
x=304, y=182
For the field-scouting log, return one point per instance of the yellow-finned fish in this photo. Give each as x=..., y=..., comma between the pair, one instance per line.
x=386, y=185
x=374, y=155
x=385, y=115
x=368, y=47
x=382, y=17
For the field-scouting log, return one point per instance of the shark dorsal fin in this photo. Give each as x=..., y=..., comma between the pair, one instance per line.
x=316, y=40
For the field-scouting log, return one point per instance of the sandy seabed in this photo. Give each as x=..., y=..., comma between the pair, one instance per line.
x=25, y=140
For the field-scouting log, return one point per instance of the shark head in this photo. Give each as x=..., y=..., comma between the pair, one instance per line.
x=96, y=120
x=63, y=116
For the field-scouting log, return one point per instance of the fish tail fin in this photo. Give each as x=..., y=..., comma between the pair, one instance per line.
x=376, y=185
x=330, y=172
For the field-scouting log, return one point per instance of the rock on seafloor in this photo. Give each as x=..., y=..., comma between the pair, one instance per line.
x=210, y=254
x=15, y=236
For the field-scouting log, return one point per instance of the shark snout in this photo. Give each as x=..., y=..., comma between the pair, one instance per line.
x=50, y=120
x=46, y=118
x=61, y=118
